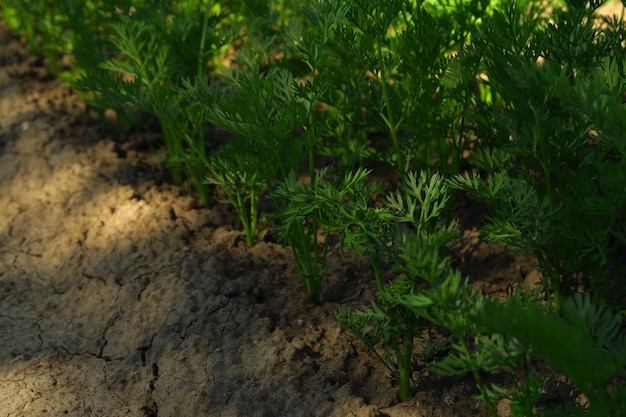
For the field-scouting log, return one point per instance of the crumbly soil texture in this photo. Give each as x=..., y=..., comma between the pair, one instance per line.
x=122, y=296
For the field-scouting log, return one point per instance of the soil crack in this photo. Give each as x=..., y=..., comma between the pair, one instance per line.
x=152, y=409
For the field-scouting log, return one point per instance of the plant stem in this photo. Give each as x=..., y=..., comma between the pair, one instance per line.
x=301, y=243
x=539, y=150
x=254, y=215
x=390, y=119
x=404, y=366
x=479, y=382
x=174, y=148
x=202, y=42
x=377, y=274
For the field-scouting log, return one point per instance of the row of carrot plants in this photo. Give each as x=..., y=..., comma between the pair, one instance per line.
x=518, y=105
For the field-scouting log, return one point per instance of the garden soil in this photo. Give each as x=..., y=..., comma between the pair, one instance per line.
x=122, y=296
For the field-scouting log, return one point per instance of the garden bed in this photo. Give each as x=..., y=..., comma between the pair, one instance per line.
x=123, y=295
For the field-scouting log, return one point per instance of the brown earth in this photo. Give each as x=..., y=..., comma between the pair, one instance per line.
x=120, y=296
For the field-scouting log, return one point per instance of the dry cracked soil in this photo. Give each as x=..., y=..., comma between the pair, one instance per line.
x=121, y=296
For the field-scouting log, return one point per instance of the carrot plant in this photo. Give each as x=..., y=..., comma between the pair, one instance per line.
x=554, y=146
x=183, y=123
x=242, y=186
x=155, y=49
x=410, y=234
x=446, y=300
x=388, y=327
x=589, y=350
x=380, y=65
x=478, y=351
x=57, y=28
x=517, y=337
x=537, y=103
x=309, y=212
x=265, y=115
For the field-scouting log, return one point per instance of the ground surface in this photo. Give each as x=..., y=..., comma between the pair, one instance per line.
x=119, y=296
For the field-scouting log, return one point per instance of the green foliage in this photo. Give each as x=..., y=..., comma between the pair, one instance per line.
x=265, y=114
x=395, y=328
x=183, y=123
x=242, y=185
x=310, y=210
x=157, y=44
x=339, y=204
x=377, y=67
x=424, y=202
x=55, y=28
x=589, y=349
x=553, y=145
x=390, y=327
x=477, y=351
x=535, y=99
x=266, y=110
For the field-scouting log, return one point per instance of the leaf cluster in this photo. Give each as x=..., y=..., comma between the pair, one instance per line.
x=390, y=326
x=377, y=67
x=589, y=349
x=552, y=143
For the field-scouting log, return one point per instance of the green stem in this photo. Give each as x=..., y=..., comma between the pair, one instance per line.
x=254, y=216
x=202, y=42
x=457, y=135
x=404, y=367
x=199, y=166
x=539, y=150
x=313, y=234
x=308, y=267
x=240, y=208
x=390, y=119
x=52, y=62
x=553, y=282
x=174, y=148
x=480, y=383
x=377, y=274
x=283, y=14
x=311, y=144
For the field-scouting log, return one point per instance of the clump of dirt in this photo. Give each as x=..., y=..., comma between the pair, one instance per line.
x=120, y=296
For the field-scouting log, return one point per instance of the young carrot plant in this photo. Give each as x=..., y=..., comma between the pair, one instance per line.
x=477, y=351
x=445, y=300
x=265, y=115
x=408, y=234
x=308, y=213
x=183, y=124
x=230, y=170
x=402, y=314
x=389, y=331
x=266, y=110
x=155, y=45
x=57, y=28
x=156, y=48
x=555, y=146
x=589, y=349
x=380, y=65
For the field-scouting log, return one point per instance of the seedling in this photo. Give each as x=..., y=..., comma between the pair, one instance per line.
x=310, y=211
x=557, y=157
x=389, y=328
